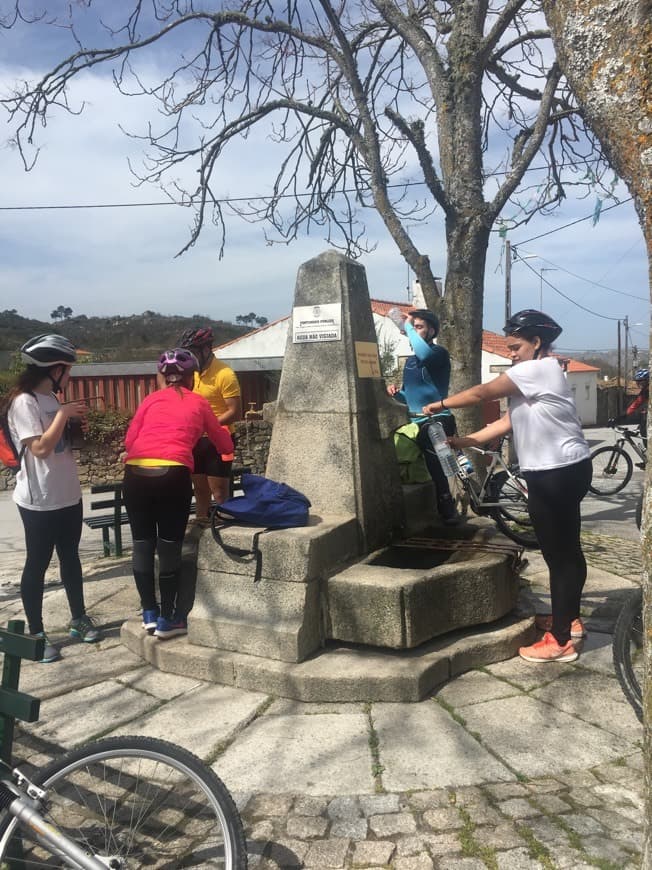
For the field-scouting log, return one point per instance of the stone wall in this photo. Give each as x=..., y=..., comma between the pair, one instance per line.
x=102, y=463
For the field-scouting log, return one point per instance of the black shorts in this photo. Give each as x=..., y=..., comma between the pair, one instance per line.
x=208, y=461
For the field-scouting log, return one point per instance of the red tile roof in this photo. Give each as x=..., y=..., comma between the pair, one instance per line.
x=494, y=343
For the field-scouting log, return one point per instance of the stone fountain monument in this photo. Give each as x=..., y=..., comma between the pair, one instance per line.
x=346, y=608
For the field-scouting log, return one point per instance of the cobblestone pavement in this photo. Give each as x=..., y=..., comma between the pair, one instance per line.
x=588, y=819
x=620, y=556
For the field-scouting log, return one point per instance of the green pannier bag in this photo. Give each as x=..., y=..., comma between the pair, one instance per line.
x=411, y=463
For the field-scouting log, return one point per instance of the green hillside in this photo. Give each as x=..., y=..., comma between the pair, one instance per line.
x=119, y=339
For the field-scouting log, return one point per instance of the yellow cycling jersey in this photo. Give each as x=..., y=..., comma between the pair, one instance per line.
x=216, y=383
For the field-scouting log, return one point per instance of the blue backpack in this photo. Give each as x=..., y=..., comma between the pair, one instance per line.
x=265, y=503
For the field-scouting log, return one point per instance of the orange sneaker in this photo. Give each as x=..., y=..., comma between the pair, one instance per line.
x=543, y=621
x=548, y=650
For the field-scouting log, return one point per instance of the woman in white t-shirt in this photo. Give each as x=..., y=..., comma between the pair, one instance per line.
x=554, y=459
x=47, y=492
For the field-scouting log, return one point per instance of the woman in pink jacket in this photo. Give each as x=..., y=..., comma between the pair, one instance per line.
x=158, y=485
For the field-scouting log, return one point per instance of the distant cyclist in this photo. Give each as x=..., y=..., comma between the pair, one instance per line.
x=639, y=405
x=217, y=383
x=158, y=486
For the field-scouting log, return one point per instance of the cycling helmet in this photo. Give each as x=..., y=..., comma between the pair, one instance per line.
x=428, y=316
x=178, y=361
x=642, y=375
x=197, y=337
x=48, y=350
x=531, y=322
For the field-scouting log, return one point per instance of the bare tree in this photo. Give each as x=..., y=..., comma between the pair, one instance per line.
x=404, y=107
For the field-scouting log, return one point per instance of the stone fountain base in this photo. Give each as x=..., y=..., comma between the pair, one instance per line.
x=324, y=624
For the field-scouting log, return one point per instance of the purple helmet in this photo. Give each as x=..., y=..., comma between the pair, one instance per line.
x=177, y=361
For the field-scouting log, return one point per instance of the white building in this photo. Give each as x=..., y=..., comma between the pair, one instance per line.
x=263, y=350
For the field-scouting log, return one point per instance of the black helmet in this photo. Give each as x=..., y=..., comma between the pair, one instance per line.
x=428, y=316
x=642, y=375
x=48, y=350
x=531, y=322
x=197, y=337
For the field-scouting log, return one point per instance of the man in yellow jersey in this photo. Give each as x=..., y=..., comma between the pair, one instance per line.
x=219, y=385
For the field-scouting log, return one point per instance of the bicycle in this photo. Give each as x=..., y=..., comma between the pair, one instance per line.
x=121, y=802
x=612, y=464
x=628, y=651
x=627, y=648
x=502, y=495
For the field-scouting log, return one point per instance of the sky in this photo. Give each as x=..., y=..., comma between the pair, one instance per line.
x=121, y=260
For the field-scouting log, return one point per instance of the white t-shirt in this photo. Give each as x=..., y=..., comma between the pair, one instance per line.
x=547, y=430
x=42, y=484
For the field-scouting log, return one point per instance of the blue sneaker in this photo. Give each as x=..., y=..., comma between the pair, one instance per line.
x=166, y=628
x=150, y=618
x=85, y=629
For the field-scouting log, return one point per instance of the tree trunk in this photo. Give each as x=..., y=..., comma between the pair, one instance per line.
x=461, y=309
x=605, y=51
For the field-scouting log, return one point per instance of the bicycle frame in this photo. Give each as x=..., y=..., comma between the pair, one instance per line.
x=23, y=800
x=631, y=437
x=481, y=499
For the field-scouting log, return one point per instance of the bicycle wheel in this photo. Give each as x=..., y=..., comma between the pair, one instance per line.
x=612, y=470
x=134, y=802
x=511, y=515
x=628, y=651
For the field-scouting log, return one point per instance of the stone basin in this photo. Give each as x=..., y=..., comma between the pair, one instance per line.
x=405, y=595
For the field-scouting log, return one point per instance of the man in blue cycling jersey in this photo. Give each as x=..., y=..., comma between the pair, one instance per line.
x=425, y=379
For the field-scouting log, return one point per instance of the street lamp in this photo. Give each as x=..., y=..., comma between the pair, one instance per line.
x=541, y=271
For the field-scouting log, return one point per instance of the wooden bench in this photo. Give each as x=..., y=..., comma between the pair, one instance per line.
x=14, y=704
x=113, y=520
x=118, y=515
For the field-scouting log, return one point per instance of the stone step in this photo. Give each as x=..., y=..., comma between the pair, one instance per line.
x=340, y=672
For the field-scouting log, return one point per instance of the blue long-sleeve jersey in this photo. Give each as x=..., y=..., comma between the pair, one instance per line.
x=426, y=375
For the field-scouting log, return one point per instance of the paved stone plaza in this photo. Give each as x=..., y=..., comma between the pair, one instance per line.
x=510, y=766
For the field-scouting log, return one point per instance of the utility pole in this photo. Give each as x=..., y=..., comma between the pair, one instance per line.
x=508, y=280
x=619, y=404
x=626, y=367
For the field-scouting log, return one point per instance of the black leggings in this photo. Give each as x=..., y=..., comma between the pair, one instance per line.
x=554, y=498
x=46, y=531
x=158, y=506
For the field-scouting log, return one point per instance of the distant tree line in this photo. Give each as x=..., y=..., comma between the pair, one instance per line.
x=118, y=338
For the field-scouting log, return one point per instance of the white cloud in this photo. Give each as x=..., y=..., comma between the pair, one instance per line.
x=122, y=261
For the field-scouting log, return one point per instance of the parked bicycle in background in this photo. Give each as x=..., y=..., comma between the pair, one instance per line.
x=613, y=466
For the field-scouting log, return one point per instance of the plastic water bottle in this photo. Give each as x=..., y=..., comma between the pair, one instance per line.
x=465, y=464
x=440, y=444
x=397, y=318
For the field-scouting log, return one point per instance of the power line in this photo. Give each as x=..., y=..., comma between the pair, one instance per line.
x=582, y=278
x=568, y=298
x=257, y=198
x=572, y=223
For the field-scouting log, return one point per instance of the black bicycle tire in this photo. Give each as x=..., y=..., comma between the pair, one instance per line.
x=620, y=485
x=147, y=749
x=628, y=625
x=504, y=518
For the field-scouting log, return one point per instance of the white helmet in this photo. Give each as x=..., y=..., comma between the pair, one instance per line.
x=48, y=350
